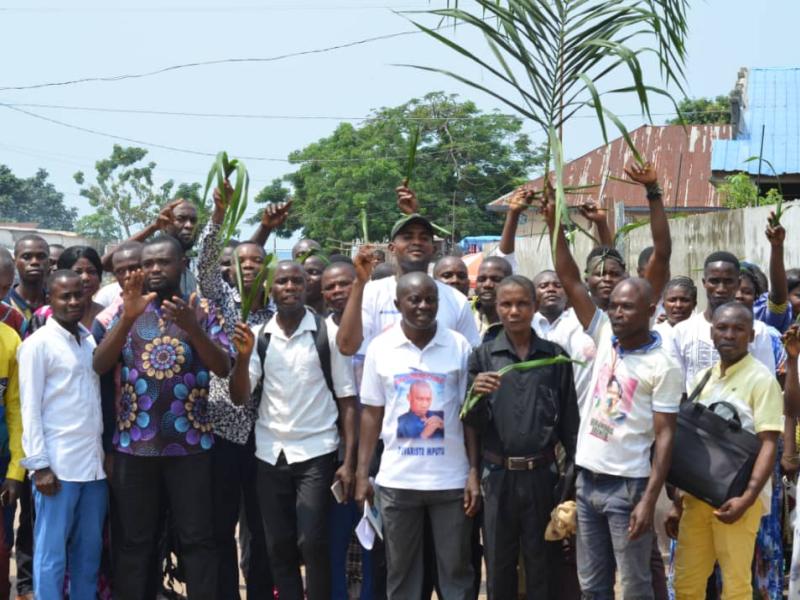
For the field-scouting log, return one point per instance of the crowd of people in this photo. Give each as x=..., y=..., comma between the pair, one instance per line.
x=371, y=428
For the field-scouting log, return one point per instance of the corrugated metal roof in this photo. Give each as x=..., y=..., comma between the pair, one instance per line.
x=773, y=106
x=682, y=157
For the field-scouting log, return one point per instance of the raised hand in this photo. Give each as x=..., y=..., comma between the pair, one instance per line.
x=791, y=341
x=776, y=234
x=591, y=212
x=164, y=218
x=521, y=199
x=643, y=174
x=134, y=300
x=364, y=263
x=548, y=206
x=406, y=200
x=221, y=200
x=180, y=313
x=244, y=340
x=275, y=214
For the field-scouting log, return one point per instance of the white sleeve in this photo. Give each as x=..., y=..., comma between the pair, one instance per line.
x=667, y=388
x=511, y=258
x=255, y=368
x=368, y=316
x=32, y=359
x=463, y=375
x=344, y=382
x=372, y=393
x=466, y=326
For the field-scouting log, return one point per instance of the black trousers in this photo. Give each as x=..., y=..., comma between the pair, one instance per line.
x=234, y=479
x=141, y=485
x=516, y=510
x=295, y=507
x=23, y=540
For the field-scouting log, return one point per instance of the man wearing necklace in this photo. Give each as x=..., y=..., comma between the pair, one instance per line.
x=167, y=346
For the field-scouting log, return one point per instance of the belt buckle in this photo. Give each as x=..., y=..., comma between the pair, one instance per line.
x=520, y=463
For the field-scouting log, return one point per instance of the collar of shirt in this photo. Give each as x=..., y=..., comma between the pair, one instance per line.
x=745, y=363
x=398, y=338
x=54, y=327
x=501, y=345
x=655, y=342
x=306, y=324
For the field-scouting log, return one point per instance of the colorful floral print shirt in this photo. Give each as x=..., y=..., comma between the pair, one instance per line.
x=163, y=406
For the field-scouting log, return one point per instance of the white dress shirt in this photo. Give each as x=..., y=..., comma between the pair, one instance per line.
x=297, y=414
x=62, y=419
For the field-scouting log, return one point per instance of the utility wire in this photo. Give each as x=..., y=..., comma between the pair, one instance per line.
x=169, y=113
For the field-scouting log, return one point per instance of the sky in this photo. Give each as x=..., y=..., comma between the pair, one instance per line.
x=304, y=96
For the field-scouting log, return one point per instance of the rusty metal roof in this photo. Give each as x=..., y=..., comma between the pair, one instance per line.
x=682, y=157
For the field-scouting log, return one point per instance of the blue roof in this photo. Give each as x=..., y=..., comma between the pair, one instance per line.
x=773, y=102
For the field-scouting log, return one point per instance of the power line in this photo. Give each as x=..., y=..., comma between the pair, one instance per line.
x=212, y=154
x=200, y=9
x=220, y=61
x=169, y=113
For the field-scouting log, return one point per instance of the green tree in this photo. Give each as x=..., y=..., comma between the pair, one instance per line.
x=704, y=111
x=466, y=158
x=124, y=196
x=34, y=200
x=275, y=193
x=739, y=191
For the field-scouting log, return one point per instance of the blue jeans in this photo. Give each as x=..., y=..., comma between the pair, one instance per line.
x=344, y=518
x=69, y=528
x=605, y=504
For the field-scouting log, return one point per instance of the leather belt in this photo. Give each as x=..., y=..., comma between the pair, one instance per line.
x=520, y=463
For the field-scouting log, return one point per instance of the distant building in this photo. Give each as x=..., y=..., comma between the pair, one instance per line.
x=683, y=158
x=765, y=116
x=11, y=232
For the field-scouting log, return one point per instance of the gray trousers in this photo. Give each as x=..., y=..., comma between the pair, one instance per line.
x=403, y=513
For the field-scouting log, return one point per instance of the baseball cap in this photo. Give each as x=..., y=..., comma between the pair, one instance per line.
x=408, y=220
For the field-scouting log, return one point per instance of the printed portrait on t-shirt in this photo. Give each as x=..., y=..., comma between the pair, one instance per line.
x=612, y=401
x=424, y=419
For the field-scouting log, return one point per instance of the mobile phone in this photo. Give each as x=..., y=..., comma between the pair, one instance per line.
x=337, y=489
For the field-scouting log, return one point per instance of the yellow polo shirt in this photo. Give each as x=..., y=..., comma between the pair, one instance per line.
x=9, y=400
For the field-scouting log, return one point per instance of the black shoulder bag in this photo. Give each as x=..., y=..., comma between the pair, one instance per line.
x=713, y=457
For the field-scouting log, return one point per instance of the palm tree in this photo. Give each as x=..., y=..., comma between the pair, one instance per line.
x=551, y=58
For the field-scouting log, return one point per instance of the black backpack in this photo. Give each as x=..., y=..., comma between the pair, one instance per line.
x=323, y=351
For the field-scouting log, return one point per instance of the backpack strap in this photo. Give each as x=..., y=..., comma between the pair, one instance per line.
x=321, y=343
x=324, y=351
x=696, y=391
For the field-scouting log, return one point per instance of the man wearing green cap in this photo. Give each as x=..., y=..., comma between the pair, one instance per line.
x=371, y=308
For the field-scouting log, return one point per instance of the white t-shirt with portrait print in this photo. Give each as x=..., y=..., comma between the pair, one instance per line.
x=617, y=427
x=415, y=458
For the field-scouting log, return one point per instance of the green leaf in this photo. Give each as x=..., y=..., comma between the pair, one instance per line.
x=473, y=398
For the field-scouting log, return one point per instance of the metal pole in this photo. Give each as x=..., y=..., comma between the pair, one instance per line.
x=760, y=158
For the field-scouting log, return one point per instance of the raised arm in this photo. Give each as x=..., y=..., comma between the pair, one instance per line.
x=657, y=269
x=134, y=302
x=567, y=269
x=599, y=218
x=520, y=202
x=351, y=332
x=163, y=219
x=778, y=287
x=274, y=216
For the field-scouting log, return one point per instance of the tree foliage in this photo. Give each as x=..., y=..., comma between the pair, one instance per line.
x=34, y=200
x=466, y=158
x=124, y=195
x=703, y=111
x=740, y=191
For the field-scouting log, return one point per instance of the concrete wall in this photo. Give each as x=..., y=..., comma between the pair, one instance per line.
x=9, y=235
x=693, y=238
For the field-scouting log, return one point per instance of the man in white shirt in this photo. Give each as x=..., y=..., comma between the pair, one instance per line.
x=371, y=308
x=556, y=323
x=630, y=409
x=693, y=347
x=296, y=432
x=435, y=474
x=62, y=430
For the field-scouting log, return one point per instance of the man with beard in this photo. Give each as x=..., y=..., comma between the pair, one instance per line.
x=307, y=387
x=168, y=345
